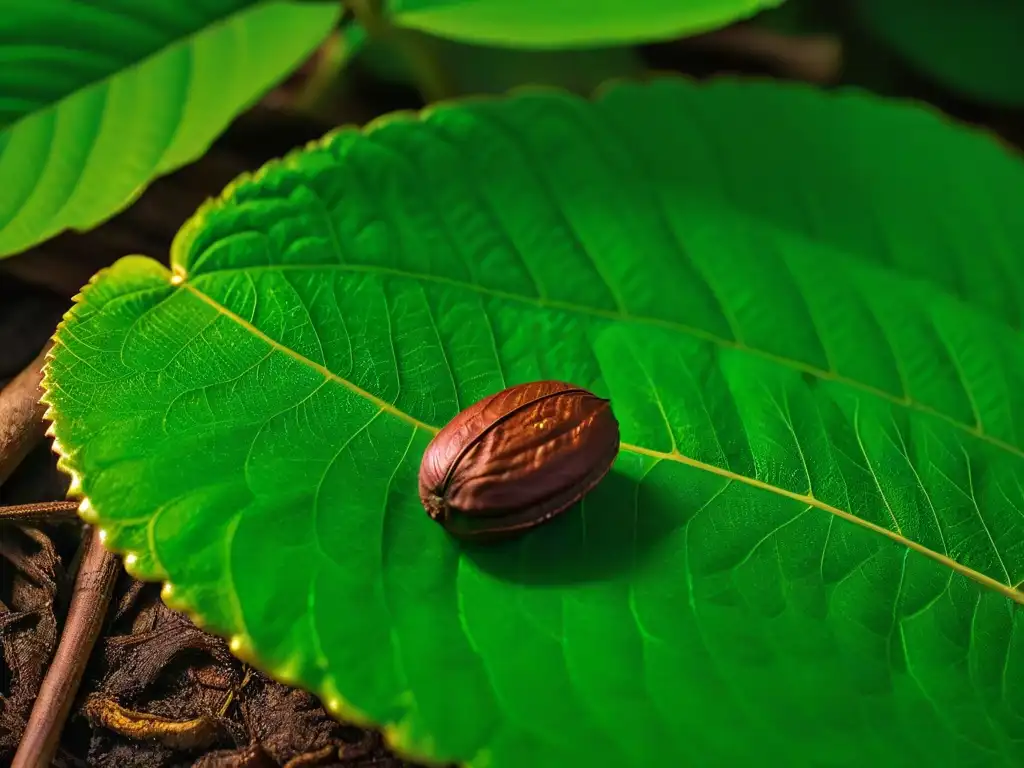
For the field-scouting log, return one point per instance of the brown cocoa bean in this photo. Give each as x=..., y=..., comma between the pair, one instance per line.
x=517, y=458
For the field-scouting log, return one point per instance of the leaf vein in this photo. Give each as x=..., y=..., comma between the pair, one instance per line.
x=981, y=578
x=653, y=322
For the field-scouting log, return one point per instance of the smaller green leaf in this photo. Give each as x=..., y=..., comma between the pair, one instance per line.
x=590, y=23
x=98, y=98
x=975, y=47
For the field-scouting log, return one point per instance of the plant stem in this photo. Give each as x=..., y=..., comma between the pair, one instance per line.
x=45, y=512
x=432, y=81
x=89, y=600
x=21, y=415
x=814, y=58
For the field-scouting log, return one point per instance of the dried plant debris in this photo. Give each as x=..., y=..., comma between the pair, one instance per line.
x=160, y=693
x=31, y=576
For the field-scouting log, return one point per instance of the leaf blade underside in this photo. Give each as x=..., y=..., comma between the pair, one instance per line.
x=569, y=23
x=98, y=99
x=249, y=428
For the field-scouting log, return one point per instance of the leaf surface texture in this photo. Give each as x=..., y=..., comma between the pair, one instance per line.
x=809, y=549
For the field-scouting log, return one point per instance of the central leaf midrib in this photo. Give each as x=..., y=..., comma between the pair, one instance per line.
x=674, y=456
x=698, y=333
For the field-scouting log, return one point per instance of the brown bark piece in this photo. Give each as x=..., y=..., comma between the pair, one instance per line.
x=21, y=415
x=31, y=573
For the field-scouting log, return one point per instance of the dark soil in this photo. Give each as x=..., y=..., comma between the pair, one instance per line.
x=158, y=692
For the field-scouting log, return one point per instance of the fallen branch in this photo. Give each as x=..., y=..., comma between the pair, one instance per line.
x=45, y=512
x=21, y=416
x=90, y=598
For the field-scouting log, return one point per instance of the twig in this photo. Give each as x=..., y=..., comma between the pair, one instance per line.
x=93, y=588
x=814, y=58
x=322, y=91
x=198, y=733
x=45, y=512
x=21, y=415
x=432, y=80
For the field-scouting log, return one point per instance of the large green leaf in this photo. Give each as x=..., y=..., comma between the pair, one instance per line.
x=973, y=46
x=548, y=24
x=98, y=98
x=809, y=549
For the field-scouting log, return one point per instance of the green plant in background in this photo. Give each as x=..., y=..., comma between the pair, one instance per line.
x=546, y=24
x=807, y=552
x=98, y=98
x=973, y=46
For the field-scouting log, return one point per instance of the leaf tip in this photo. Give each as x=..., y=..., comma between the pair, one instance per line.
x=339, y=707
x=58, y=448
x=241, y=646
x=180, y=603
x=87, y=512
x=176, y=602
x=415, y=745
x=136, y=567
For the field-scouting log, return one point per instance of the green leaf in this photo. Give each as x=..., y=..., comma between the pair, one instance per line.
x=588, y=23
x=98, y=98
x=808, y=551
x=973, y=46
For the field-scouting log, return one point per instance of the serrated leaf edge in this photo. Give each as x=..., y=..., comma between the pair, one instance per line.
x=397, y=734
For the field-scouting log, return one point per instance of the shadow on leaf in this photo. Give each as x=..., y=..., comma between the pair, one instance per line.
x=608, y=535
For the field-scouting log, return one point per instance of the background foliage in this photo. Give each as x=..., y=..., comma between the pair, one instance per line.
x=543, y=24
x=98, y=98
x=973, y=46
